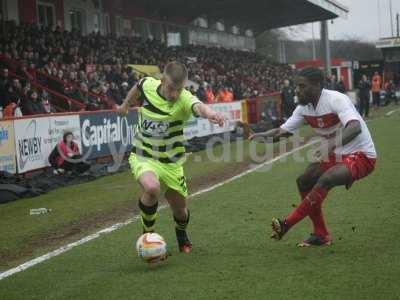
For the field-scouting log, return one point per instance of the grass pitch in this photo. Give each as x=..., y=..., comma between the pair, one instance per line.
x=233, y=257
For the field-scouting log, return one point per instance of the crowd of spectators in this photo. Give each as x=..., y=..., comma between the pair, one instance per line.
x=17, y=97
x=373, y=90
x=93, y=67
x=335, y=84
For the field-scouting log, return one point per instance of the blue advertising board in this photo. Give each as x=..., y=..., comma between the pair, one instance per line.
x=107, y=133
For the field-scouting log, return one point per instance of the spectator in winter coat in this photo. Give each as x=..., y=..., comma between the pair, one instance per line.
x=288, y=93
x=210, y=95
x=13, y=108
x=66, y=157
x=364, y=88
x=340, y=86
x=32, y=105
x=376, y=89
x=201, y=93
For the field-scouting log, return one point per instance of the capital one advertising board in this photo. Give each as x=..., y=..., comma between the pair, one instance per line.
x=107, y=133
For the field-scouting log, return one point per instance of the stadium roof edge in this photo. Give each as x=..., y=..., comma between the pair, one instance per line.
x=333, y=6
x=255, y=14
x=295, y=12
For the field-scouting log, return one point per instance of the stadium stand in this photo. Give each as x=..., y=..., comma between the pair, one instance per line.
x=59, y=66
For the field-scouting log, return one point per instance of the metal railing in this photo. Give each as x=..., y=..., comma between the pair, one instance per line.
x=60, y=102
x=44, y=77
x=36, y=76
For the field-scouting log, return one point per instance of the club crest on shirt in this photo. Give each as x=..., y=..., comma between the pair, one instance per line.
x=320, y=122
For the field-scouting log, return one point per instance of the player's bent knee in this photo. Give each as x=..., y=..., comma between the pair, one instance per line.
x=325, y=182
x=300, y=183
x=303, y=183
x=152, y=188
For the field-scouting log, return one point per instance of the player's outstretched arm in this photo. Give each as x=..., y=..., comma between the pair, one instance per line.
x=272, y=135
x=204, y=111
x=130, y=100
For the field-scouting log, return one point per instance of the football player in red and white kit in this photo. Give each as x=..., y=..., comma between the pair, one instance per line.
x=347, y=153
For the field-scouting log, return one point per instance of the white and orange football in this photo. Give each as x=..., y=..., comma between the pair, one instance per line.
x=152, y=247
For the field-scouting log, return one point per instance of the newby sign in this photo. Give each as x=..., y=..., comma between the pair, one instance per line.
x=35, y=138
x=31, y=143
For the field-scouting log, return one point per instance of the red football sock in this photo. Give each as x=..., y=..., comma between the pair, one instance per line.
x=317, y=218
x=311, y=202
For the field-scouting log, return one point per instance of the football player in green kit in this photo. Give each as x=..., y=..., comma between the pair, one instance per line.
x=158, y=151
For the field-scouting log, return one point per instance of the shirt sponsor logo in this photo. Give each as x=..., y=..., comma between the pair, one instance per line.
x=154, y=128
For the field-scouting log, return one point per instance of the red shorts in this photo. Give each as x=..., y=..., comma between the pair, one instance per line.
x=358, y=164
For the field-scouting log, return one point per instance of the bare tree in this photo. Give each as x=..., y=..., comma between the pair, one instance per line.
x=268, y=43
x=354, y=48
x=350, y=48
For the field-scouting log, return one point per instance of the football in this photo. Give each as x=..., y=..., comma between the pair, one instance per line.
x=151, y=247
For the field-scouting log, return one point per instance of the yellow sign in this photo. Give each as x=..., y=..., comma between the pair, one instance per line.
x=244, y=116
x=7, y=147
x=148, y=70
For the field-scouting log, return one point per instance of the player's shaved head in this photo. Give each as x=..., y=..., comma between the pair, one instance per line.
x=310, y=82
x=173, y=80
x=176, y=72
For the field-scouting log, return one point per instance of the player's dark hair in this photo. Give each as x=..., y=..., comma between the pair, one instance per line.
x=176, y=71
x=314, y=75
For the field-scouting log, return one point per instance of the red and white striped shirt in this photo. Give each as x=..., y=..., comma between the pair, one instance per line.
x=333, y=112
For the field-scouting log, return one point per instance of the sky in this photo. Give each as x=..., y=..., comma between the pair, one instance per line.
x=362, y=21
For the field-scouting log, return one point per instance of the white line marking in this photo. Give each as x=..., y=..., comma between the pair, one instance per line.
x=116, y=226
x=391, y=112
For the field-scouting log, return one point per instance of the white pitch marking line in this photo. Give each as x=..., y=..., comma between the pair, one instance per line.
x=40, y=259
x=388, y=114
